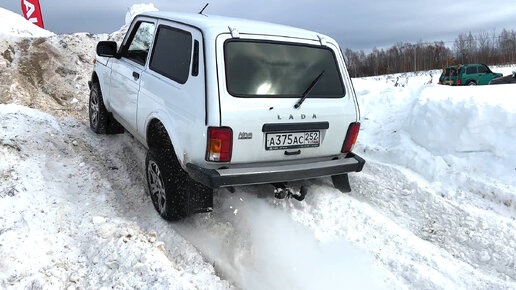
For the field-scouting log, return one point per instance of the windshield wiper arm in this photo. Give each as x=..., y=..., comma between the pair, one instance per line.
x=308, y=90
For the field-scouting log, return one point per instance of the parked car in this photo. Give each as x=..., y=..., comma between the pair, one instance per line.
x=468, y=74
x=510, y=79
x=223, y=102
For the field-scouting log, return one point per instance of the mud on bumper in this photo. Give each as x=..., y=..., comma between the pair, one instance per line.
x=236, y=176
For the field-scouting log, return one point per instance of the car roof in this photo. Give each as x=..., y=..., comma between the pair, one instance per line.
x=214, y=25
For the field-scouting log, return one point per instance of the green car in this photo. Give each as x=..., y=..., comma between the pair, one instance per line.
x=468, y=74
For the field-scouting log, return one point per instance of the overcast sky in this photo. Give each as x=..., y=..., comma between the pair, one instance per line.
x=355, y=24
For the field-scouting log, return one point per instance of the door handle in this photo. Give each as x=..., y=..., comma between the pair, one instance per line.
x=293, y=153
x=136, y=75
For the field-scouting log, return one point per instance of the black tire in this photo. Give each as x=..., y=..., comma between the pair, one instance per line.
x=168, y=184
x=98, y=114
x=471, y=83
x=101, y=121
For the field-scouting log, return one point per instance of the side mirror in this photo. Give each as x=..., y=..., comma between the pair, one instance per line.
x=107, y=48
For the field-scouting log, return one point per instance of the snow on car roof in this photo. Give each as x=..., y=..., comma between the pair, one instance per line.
x=214, y=25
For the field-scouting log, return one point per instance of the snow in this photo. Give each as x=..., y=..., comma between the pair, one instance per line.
x=466, y=134
x=98, y=226
x=138, y=9
x=60, y=227
x=433, y=208
x=14, y=25
x=262, y=247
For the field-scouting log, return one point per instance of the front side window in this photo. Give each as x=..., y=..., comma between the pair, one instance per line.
x=139, y=43
x=172, y=54
x=277, y=69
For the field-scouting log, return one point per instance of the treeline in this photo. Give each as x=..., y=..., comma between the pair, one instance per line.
x=487, y=48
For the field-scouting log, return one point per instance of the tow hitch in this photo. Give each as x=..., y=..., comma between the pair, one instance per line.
x=281, y=191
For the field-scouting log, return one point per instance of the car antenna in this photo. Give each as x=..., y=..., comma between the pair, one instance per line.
x=202, y=10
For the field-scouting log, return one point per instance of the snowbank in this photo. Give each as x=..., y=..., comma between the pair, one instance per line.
x=59, y=224
x=442, y=133
x=132, y=12
x=14, y=25
x=138, y=9
x=448, y=120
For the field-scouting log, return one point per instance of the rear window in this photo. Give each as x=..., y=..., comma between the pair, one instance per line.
x=277, y=69
x=483, y=69
x=450, y=71
x=172, y=53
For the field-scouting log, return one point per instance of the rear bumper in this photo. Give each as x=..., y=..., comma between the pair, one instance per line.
x=216, y=178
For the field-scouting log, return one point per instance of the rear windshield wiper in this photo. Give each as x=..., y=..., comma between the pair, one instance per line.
x=308, y=90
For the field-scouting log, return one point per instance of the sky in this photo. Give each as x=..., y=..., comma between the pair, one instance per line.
x=357, y=24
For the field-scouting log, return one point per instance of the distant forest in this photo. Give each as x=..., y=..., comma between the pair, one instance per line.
x=486, y=48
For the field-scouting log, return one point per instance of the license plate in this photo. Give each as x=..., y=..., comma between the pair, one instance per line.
x=292, y=140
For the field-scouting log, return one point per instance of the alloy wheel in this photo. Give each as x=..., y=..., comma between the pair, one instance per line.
x=156, y=186
x=94, y=109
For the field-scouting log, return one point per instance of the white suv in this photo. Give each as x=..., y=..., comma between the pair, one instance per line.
x=223, y=102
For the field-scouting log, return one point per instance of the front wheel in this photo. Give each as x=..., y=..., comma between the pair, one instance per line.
x=101, y=121
x=97, y=111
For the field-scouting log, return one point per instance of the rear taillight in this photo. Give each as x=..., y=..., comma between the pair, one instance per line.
x=220, y=144
x=459, y=82
x=351, y=137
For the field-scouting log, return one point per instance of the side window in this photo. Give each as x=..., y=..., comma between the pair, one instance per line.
x=482, y=69
x=471, y=70
x=172, y=53
x=138, y=45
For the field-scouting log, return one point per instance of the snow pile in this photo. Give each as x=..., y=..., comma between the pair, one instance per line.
x=132, y=12
x=443, y=133
x=138, y=9
x=468, y=120
x=504, y=69
x=50, y=74
x=14, y=25
x=59, y=223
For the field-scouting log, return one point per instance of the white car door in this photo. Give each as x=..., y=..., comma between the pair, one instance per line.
x=127, y=70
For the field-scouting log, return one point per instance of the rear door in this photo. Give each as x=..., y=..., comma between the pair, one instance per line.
x=263, y=78
x=471, y=74
x=126, y=72
x=450, y=76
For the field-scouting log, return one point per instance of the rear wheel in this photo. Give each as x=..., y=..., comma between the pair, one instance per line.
x=471, y=83
x=168, y=184
x=174, y=194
